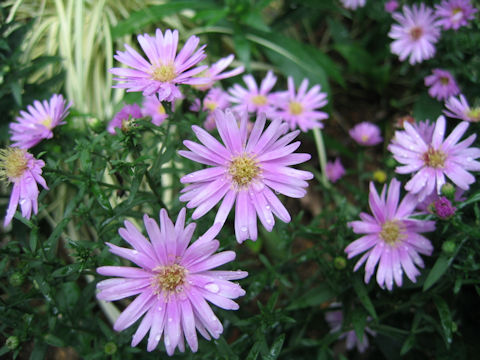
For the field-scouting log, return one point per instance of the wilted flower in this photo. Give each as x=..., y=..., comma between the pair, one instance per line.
x=172, y=283
x=122, y=118
x=153, y=108
x=353, y=4
x=254, y=99
x=24, y=171
x=391, y=6
x=301, y=109
x=444, y=208
x=214, y=72
x=164, y=68
x=442, y=84
x=366, y=134
x=334, y=170
x=244, y=171
x=432, y=161
x=392, y=238
x=37, y=124
x=415, y=35
x=458, y=108
x=453, y=14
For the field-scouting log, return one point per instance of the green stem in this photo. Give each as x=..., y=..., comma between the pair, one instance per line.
x=322, y=155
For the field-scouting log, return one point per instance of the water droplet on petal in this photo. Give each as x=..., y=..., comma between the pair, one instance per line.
x=160, y=308
x=167, y=341
x=212, y=287
x=269, y=221
x=134, y=252
x=267, y=207
x=469, y=159
x=170, y=319
x=157, y=338
x=243, y=228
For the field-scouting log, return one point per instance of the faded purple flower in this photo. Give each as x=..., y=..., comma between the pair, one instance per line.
x=392, y=237
x=335, y=170
x=431, y=161
x=391, y=6
x=353, y=4
x=254, y=99
x=214, y=72
x=458, y=108
x=122, y=118
x=454, y=14
x=244, y=171
x=172, y=282
x=216, y=98
x=366, y=134
x=24, y=171
x=153, y=108
x=164, y=68
x=415, y=34
x=301, y=109
x=38, y=123
x=442, y=84
x=444, y=208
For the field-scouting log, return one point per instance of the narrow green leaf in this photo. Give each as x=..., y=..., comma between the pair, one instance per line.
x=445, y=319
x=314, y=297
x=441, y=265
x=362, y=294
x=276, y=348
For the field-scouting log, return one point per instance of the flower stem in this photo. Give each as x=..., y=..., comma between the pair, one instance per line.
x=322, y=155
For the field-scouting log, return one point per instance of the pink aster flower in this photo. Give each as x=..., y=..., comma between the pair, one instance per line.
x=431, y=161
x=459, y=108
x=366, y=134
x=216, y=98
x=214, y=72
x=244, y=171
x=254, y=99
x=301, y=109
x=38, y=123
x=454, y=14
x=415, y=35
x=24, y=171
x=122, y=118
x=335, y=170
x=164, y=68
x=173, y=282
x=153, y=108
x=442, y=84
x=335, y=321
x=391, y=6
x=392, y=237
x=353, y=4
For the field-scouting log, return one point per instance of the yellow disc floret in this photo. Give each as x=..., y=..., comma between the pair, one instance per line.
x=391, y=232
x=164, y=73
x=168, y=279
x=13, y=163
x=243, y=169
x=259, y=100
x=434, y=158
x=295, y=108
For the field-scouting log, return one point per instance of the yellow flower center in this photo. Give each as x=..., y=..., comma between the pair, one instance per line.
x=416, y=32
x=474, y=114
x=47, y=122
x=243, y=169
x=164, y=73
x=13, y=163
x=259, y=100
x=391, y=232
x=434, y=158
x=364, y=138
x=211, y=105
x=295, y=108
x=168, y=279
x=444, y=80
x=161, y=109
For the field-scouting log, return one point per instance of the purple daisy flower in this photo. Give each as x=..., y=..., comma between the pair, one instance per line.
x=164, y=68
x=122, y=118
x=424, y=129
x=442, y=84
x=172, y=283
x=334, y=170
x=214, y=72
x=415, y=35
x=432, y=161
x=254, y=99
x=24, y=171
x=459, y=108
x=391, y=6
x=353, y=4
x=153, y=108
x=37, y=124
x=244, y=171
x=392, y=238
x=216, y=98
x=335, y=321
x=454, y=14
x=301, y=108
x=366, y=134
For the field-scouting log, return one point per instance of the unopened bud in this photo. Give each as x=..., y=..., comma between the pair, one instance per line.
x=380, y=176
x=12, y=342
x=449, y=247
x=16, y=279
x=110, y=348
x=340, y=263
x=448, y=190
x=444, y=208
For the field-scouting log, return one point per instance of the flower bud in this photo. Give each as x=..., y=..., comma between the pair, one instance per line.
x=449, y=247
x=16, y=279
x=444, y=208
x=110, y=348
x=12, y=342
x=340, y=263
x=448, y=190
x=380, y=176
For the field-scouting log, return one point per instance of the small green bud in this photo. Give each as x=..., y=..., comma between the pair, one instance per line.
x=110, y=348
x=340, y=263
x=12, y=342
x=95, y=124
x=449, y=247
x=448, y=190
x=454, y=327
x=391, y=163
x=16, y=279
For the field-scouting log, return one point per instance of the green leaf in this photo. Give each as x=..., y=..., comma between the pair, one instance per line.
x=445, y=319
x=359, y=321
x=427, y=108
x=275, y=349
x=53, y=340
x=313, y=297
x=441, y=265
x=362, y=294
